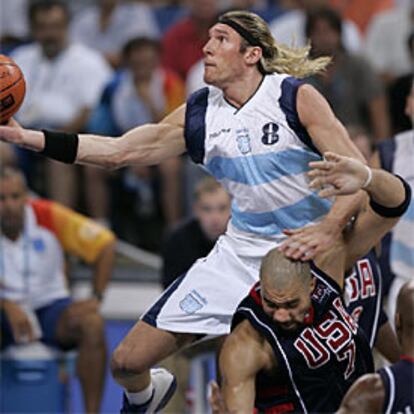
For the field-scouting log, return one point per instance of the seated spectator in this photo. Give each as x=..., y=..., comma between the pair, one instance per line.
x=34, y=298
x=349, y=84
x=64, y=81
x=143, y=92
x=289, y=28
x=183, y=43
x=195, y=238
x=386, y=42
x=109, y=24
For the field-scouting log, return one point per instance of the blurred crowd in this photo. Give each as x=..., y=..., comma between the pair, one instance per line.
x=105, y=66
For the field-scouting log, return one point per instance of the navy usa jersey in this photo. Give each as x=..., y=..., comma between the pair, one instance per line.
x=398, y=380
x=316, y=364
x=363, y=295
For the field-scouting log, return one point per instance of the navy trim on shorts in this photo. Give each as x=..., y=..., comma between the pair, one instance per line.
x=151, y=315
x=386, y=151
x=195, y=124
x=287, y=103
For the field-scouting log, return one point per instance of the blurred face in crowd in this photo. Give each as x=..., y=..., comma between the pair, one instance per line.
x=12, y=202
x=142, y=61
x=50, y=30
x=288, y=306
x=325, y=40
x=223, y=60
x=206, y=10
x=212, y=210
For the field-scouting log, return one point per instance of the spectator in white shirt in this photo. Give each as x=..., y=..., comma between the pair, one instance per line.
x=64, y=81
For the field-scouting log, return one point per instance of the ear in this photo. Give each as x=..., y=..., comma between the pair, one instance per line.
x=253, y=55
x=312, y=283
x=397, y=321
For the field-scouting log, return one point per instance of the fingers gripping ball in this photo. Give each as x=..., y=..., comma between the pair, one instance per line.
x=12, y=88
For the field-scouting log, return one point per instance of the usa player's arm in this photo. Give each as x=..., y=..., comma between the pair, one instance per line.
x=327, y=134
x=366, y=395
x=345, y=175
x=148, y=144
x=243, y=355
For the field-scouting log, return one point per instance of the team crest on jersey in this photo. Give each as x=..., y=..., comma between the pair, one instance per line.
x=192, y=302
x=270, y=135
x=243, y=140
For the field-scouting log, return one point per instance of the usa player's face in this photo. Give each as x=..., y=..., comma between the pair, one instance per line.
x=223, y=60
x=287, y=306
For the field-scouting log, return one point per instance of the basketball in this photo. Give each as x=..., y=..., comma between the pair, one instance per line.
x=12, y=88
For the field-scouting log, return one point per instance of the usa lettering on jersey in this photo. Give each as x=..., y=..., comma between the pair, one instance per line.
x=333, y=337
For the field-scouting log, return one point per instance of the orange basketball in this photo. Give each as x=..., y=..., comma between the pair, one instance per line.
x=12, y=88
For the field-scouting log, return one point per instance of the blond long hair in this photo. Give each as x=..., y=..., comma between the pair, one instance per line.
x=276, y=57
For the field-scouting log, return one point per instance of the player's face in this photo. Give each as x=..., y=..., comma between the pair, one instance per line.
x=288, y=307
x=12, y=202
x=212, y=210
x=223, y=61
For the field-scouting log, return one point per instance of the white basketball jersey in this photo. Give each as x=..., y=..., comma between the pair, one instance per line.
x=260, y=153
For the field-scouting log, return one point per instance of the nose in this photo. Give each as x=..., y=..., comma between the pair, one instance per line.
x=282, y=316
x=207, y=47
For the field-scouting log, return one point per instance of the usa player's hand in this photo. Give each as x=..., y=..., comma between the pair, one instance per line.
x=342, y=175
x=307, y=242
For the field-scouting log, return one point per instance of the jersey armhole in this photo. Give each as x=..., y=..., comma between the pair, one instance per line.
x=287, y=101
x=195, y=125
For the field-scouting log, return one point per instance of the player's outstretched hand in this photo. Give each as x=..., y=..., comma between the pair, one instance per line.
x=307, y=242
x=342, y=175
x=11, y=132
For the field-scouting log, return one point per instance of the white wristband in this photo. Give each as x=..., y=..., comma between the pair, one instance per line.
x=369, y=178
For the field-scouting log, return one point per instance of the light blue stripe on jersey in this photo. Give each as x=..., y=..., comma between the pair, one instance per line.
x=273, y=165
x=274, y=222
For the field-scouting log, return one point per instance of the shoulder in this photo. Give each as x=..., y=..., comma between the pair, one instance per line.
x=247, y=344
x=365, y=395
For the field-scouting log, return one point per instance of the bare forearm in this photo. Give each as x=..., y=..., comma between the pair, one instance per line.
x=385, y=189
x=103, y=268
x=344, y=208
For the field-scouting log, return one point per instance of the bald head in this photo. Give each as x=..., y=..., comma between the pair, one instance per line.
x=405, y=305
x=277, y=271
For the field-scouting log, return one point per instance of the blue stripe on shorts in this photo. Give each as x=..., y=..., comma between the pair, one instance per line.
x=151, y=315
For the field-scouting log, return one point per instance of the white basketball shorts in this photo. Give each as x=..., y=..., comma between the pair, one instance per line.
x=204, y=299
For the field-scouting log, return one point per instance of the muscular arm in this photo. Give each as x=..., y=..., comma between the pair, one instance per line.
x=145, y=145
x=369, y=228
x=346, y=176
x=328, y=134
x=387, y=343
x=243, y=355
x=365, y=396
